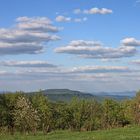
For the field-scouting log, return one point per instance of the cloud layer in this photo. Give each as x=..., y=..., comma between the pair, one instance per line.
x=100, y=69
x=93, y=49
x=41, y=70
x=28, y=36
x=27, y=64
x=90, y=77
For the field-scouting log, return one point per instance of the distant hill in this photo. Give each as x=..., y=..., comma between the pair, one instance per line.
x=115, y=95
x=67, y=95
x=122, y=93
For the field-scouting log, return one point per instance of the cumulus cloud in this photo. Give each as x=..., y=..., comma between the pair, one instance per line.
x=62, y=19
x=27, y=64
x=28, y=36
x=69, y=19
x=20, y=48
x=130, y=42
x=93, y=49
x=77, y=43
x=94, y=10
x=22, y=36
x=38, y=24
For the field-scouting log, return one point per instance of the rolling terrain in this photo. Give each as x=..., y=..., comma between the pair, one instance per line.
x=68, y=95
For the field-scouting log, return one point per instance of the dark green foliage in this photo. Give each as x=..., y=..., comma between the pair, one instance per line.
x=7, y=105
x=31, y=112
x=136, y=108
x=113, y=114
x=42, y=105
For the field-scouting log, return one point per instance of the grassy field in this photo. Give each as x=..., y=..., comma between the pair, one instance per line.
x=132, y=133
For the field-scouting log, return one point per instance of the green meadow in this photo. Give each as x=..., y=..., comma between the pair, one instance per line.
x=130, y=133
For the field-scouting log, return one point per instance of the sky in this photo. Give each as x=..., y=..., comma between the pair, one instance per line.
x=86, y=45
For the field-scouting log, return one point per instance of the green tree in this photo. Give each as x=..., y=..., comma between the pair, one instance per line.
x=7, y=105
x=136, y=108
x=93, y=113
x=42, y=105
x=85, y=114
x=113, y=115
x=25, y=116
x=62, y=115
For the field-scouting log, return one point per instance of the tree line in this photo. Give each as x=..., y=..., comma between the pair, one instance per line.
x=25, y=113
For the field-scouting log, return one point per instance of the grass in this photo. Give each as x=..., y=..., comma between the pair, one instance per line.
x=131, y=133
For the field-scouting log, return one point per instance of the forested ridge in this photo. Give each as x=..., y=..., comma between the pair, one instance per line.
x=29, y=113
x=67, y=95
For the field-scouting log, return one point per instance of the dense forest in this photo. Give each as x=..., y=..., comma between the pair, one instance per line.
x=29, y=113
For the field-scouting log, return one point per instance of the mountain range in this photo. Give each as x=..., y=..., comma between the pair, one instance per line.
x=67, y=95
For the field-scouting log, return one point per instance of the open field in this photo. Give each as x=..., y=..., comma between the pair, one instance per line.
x=132, y=133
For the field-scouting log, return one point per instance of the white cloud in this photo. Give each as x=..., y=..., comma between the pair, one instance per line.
x=28, y=36
x=94, y=10
x=93, y=49
x=84, y=43
x=37, y=24
x=22, y=36
x=20, y=48
x=130, y=42
x=27, y=64
x=62, y=19
x=69, y=19
x=100, y=69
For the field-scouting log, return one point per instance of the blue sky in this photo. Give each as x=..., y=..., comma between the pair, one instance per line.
x=86, y=45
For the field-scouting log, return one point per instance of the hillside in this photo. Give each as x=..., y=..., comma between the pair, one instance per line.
x=67, y=95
